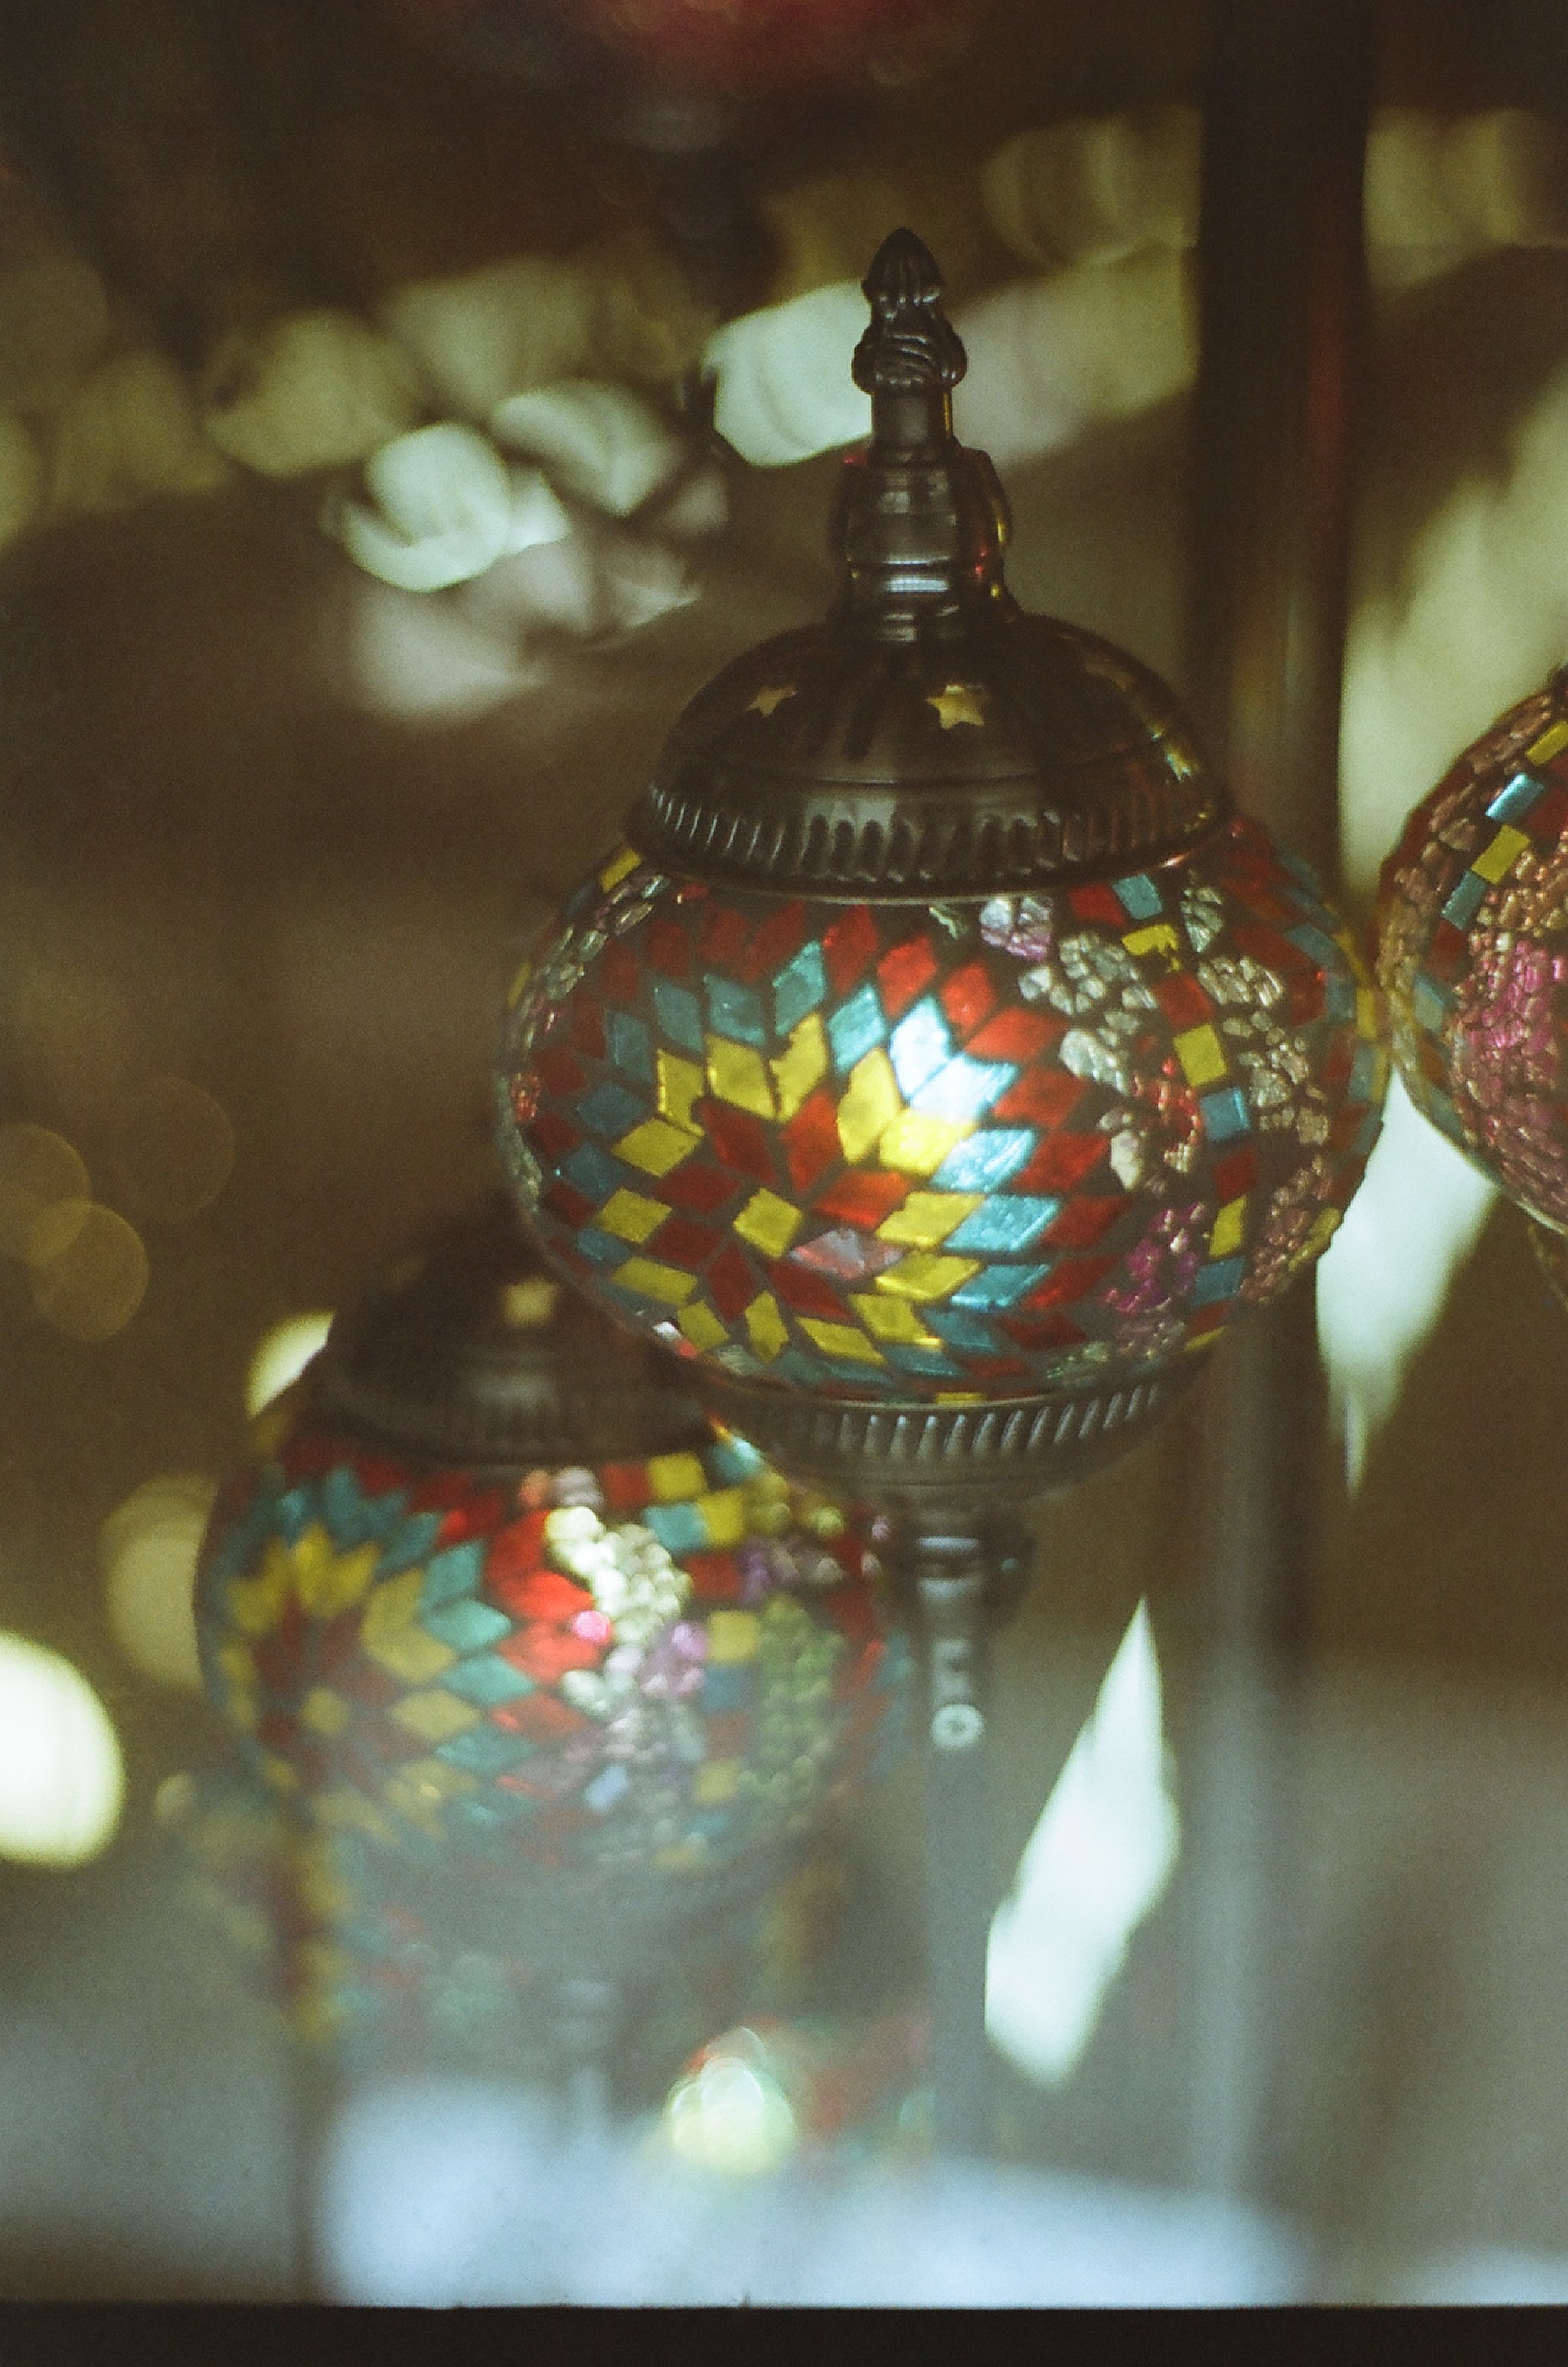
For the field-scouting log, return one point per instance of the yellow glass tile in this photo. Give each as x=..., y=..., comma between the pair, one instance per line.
x=1159, y=937
x=674, y=1478
x=739, y=1074
x=1229, y=1227
x=724, y=1515
x=893, y=1319
x=237, y=1662
x=629, y=1217
x=680, y=1083
x=1541, y=750
x=324, y=1711
x=960, y=1396
x=1199, y=1339
x=714, y=1782
x=701, y=1325
x=1324, y=1227
x=345, y=1810
x=871, y=1102
x=434, y=1716
x=923, y=1274
x=732, y=1636
x=766, y=1327
x=1495, y=860
x=430, y=1779
x=651, y=1280
x=1198, y=1049
x=928, y=1218
x=624, y=859
x=326, y=1581
x=388, y=1632
x=917, y=1145
x=279, y=1774
x=769, y=1223
x=520, y=977
x=656, y=1146
x=1367, y=1013
x=801, y=1065
x=255, y=1604
x=841, y=1339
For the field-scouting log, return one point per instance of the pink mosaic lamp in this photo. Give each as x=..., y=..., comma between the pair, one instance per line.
x=939, y=1063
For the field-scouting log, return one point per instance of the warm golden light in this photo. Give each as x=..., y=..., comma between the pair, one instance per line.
x=148, y=1549
x=38, y=1171
x=62, y=1780
x=88, y=1269
x=282, y=1356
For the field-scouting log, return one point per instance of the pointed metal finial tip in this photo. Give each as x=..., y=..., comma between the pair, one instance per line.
x=911, y=347
x=903, y=271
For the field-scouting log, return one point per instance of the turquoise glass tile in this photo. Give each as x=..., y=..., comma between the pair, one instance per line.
x=679, y=1013
x=680, y=1528
x=730, y=1461
x=856, y=1028
x=1515, y=798
x=608, y=1789
x=610, y=1110
x=964, y=1329
x=801, y=986
x=985, y=1161
x=468, y=1626
x=1140, y=896
x=930, y=1361
x=735, y=1010
x=483, y=1751
x=1429, y=1002
x=1221, y=1280
x=1338, y=996
x=1004, y=1225
x=452, y=1573
x=726, y=1689
x=920, y=1046
x=1318, y=943
x=964, y=1089
x=1225, y=1114
x=1461, y=905
x=488, y=1681
x=630, y=1046
x=594, y=1173
x=602, y=1247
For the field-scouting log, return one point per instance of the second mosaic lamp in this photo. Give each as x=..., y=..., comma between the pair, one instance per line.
x=939, y=1062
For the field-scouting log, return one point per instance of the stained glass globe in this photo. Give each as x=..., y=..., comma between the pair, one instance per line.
x=939, y=1037
x=1472, y=953
x=493, y=1599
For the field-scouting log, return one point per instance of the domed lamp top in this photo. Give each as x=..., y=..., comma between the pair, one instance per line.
x=938, y=1043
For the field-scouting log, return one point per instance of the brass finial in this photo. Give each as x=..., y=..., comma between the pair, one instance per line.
x=910, y=346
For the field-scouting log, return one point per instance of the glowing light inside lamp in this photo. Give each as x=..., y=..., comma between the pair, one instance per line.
x=62, y=1781
x=147, y=1551
x=730, y=2116
x=282, y=1356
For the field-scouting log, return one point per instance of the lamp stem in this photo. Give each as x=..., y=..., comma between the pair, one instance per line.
x=957, y=1574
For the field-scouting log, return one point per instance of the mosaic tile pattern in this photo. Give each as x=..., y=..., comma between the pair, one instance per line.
x=1472, y=955
x=978, y=1149
x=660, y=1663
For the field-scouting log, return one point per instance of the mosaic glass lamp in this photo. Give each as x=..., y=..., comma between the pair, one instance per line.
x=522, y=1641
x=1472, y=953
x=939, y=1063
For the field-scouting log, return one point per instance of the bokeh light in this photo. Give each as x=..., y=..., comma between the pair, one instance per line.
x=147, y=1549
x=88, y=1269
x=175, y=1150
x=283, y=1354
x=62, y=1780
x=730, y=2115
x=38, y=1171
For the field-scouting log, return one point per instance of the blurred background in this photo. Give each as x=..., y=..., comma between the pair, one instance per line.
x=404, y=406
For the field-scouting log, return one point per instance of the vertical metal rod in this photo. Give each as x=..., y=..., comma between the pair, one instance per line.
x=959, y=1577
x=1281, y=313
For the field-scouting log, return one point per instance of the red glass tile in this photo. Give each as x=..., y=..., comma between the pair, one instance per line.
x=624, y=1485
x=995, y=1371
x=811, y=1140
x=275, y=1731
x=1305, y=998
x=807, y=1292
x=1061, y=1163
x=1041, y=1332
x=738, y=1138
x=849, y=947
x=864, y=1197
x=1547, y=821
x=904, y=973
x=575, y=1208
x=1042, y=1096
x=475, y=1518
x=715, y=1577
x=379, y=1474
x=553, y=1136
x=852, y=1610
x=619, y=978
x=1069, y=1282
x=681, y=1241
x=668, y=948
x=561, y=1073
x=731, y=1283
x=1097, y=900
x=1268, y=947
x=1334, y=1072
x=698, y=1185
x=769, y=947
x=585, y=1019
x=540, y=1718
x=1183, y=1001
x=439, y=1492
x=1236, y=1173
x=1444, y=956
x=1017, y=1035
x=517, y=1550
x=545, y=1652
x=1083, y=1222
x=724, y=937
x=280, y=1655
x=1208, y=1318
x=540, y=1594
x=304, y=1456
x=967, y=997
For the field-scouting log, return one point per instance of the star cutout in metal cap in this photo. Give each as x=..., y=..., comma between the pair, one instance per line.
x=959, y=702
